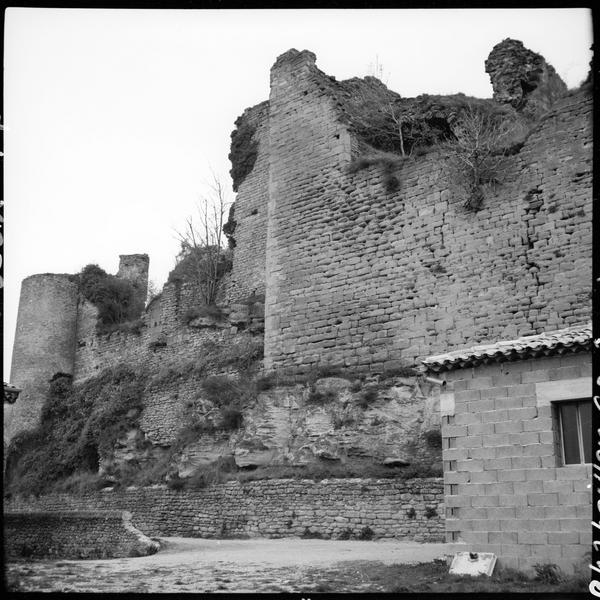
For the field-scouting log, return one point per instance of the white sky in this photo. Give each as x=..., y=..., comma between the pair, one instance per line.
x=114, y=118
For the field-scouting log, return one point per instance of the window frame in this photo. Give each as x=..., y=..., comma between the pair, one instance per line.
x=561, y=437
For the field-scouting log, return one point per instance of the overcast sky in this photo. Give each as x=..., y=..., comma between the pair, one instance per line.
x=115, y=118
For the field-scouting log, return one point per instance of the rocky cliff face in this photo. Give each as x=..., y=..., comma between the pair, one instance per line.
x=522, y=78
x=332, y=420
x=383, y=422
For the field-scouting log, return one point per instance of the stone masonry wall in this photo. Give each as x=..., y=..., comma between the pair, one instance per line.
x=73, y=535
x=308, y=149
x=164, y=344
x=165, y=401
x=179, y=342
x=506, y=489
x=249, y=255
x=364, y=278
x=410, y=509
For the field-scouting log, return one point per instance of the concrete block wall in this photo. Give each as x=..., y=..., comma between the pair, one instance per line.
x=412, y=509
x=364, y=278
x=88, y=534
x=506, y=490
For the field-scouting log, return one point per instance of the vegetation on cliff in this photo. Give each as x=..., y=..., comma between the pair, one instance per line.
x=97, y=424
x=81, y=424
x=78, y=425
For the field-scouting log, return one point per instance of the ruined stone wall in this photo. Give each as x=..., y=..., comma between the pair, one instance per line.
x=523, y=78
x=73, y=535
x=411, y=510
x=507, y=490
x=168, y=365
x=361, y=277
x=134, y=268
x=165, y=346
x=165, y=324
x=251, y=203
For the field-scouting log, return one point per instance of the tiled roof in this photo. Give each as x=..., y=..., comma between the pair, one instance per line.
x=571, y=339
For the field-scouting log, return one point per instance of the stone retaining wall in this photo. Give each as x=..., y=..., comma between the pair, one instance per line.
x=73, y=535
x=347, y=508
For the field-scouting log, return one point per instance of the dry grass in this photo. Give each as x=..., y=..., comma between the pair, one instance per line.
x=433, y=577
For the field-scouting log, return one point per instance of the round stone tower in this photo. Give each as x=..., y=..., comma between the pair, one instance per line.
x=44, y=345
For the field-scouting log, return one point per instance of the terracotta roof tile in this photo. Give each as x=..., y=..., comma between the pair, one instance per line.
x=571, y=339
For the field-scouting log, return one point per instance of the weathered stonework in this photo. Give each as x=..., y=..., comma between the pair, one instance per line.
x=73, y=535
x=523, y=78
x=343, y=270
x=248, y=273
x=134, y=268
x=411, y=510
x=365, y=278
x=44, y=345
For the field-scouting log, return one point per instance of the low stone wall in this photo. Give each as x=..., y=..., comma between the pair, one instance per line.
x=73, y=535
x=346, y=508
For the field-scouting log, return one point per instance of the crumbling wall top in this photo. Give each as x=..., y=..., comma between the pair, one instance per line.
x=523, y=78
x=295, y=58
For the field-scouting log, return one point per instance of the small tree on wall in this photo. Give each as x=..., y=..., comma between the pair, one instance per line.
x=203, y=260
x=476, y=156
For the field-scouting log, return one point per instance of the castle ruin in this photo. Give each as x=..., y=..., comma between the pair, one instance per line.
x=348, y=259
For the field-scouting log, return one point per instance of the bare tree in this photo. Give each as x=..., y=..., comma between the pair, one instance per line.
x=476, y=157
x=153, y=291
x=203, y=259
x=390, y=123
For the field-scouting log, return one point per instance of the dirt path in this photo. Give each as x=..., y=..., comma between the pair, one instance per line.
x=201, y=565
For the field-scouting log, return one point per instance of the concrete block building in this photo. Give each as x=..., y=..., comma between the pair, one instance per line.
x=516, y=432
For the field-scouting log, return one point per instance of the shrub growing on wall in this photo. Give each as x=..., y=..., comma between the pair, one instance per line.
x=476, y=155
x=203, y=260
x=117, y=300
x=195, y=264
x=406, y=126
x=231, y=396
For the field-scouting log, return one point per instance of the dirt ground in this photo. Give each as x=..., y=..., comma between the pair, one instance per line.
x=202, y=565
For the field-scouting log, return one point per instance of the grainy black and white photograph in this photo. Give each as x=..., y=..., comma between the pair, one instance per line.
x=297, y=300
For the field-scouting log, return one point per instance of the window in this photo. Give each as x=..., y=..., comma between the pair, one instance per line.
x=575, y=426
